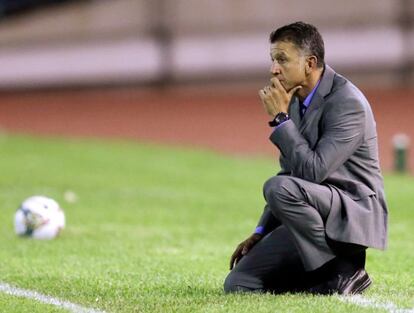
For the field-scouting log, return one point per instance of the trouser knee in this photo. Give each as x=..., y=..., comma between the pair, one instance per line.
x=278, y=189
x=236, y=282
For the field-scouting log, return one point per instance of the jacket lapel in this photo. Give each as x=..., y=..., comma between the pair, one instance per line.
x=294, y=111
x=323, y=90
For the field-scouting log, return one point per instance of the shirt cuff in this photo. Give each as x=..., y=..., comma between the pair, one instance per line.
x=280, y=124
x=259, y=230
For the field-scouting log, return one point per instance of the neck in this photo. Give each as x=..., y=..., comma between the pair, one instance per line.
x=309, y=84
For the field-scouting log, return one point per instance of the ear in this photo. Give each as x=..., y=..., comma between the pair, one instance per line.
x=311, y=64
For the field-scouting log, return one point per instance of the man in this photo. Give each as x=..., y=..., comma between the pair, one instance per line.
x=326, y=205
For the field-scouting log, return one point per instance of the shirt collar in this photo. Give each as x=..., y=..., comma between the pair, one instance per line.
x=309, y=97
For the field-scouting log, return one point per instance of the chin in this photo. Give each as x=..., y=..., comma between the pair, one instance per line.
x=288, y=88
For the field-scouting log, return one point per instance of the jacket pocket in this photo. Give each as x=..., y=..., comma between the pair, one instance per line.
x=359, y=191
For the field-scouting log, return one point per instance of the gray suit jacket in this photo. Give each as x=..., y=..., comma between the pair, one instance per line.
x=335, y=144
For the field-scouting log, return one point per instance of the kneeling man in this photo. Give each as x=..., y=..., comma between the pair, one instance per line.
x=326, y=206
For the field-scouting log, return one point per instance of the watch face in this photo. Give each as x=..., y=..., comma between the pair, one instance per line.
x=281, y=117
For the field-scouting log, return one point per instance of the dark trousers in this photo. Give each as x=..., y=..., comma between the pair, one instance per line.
x=274, y=265
x=291, y=257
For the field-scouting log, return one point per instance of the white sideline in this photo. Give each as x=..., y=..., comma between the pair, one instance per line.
x=75, y=308
x=19, y=292
x=370, y=303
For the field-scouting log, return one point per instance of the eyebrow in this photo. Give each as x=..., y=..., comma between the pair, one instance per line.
x=278, y=54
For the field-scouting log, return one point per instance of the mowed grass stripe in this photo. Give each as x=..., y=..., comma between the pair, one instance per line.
x=153, y=228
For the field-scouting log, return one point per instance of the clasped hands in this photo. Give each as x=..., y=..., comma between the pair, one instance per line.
x=275, y=98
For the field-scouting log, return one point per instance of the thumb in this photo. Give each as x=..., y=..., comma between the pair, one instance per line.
x=245, y=250
x=293, y=90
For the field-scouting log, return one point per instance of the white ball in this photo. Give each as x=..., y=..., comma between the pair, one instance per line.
x=39, y=217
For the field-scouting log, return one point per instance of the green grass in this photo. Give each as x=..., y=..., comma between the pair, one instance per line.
x=153, y=229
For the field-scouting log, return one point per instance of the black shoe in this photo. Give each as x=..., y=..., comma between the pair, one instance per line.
x=344, y=284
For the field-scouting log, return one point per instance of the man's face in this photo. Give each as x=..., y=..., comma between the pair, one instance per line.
x=288, y=64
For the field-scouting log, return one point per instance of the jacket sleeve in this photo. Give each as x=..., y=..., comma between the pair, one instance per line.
x=268, y=221
x=342, y=132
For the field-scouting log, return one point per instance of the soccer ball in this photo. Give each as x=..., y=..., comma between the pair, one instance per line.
x=39, y=217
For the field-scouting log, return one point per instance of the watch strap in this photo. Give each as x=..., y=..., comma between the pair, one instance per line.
x=279, y=119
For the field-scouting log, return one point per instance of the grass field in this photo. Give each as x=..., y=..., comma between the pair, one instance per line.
x=153, y=228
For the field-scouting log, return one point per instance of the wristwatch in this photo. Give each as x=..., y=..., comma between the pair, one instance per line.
x=279, y=119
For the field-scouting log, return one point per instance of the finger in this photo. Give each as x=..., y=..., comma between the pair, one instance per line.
x=265, y=95
x=273, y=81
x=247, y=247
x=235, y=261
x=234, y=257
x=277, y=84
x=293, y=90
x=268, y=90
x=262, y=94
x=238, y=259
x=232, y=262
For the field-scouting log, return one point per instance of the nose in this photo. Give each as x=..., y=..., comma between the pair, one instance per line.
x=275, y=68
